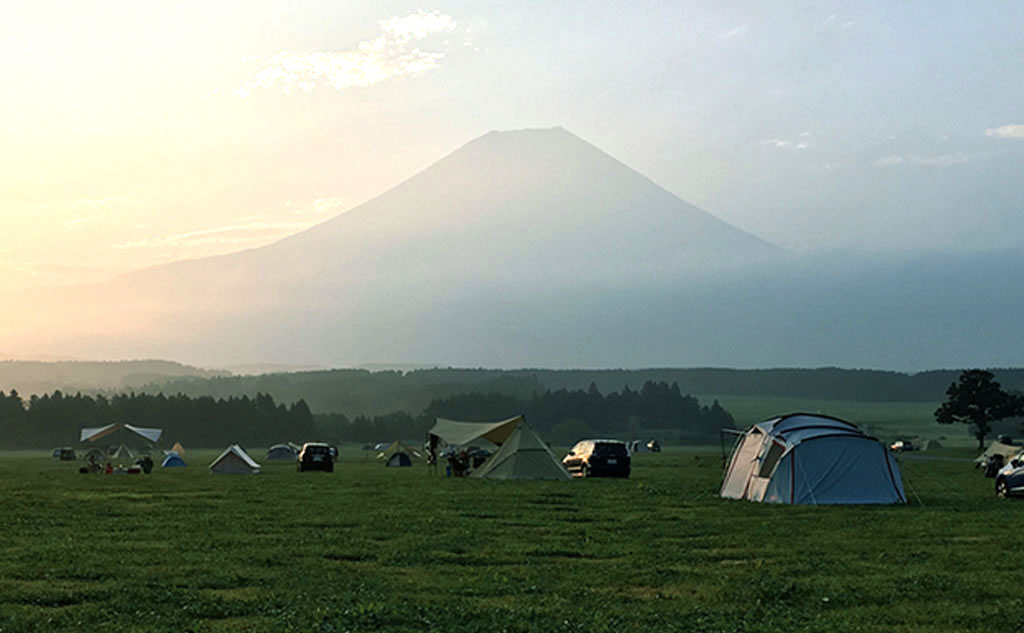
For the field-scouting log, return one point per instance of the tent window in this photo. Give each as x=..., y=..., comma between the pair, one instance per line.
x=771, y=459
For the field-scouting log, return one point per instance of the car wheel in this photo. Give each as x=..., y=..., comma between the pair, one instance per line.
x=1002, y=490
x=584, y=471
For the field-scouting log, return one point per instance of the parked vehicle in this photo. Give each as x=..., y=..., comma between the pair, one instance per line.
x=598, y=458
x=316, y=456
x=1010, y=478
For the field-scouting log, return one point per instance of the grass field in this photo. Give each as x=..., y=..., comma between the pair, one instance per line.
x=369, y=549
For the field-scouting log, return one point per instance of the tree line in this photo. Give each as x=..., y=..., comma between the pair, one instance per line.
x=560, y=416
x=56, y=419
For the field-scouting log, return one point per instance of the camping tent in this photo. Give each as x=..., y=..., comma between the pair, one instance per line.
x=281, y=451
x=234, y=460
x=930, y=445
x=521, y=454
x=173, y=460
x=1007, y=451
x=95, y=455
x=122, y=452
x=96, y=433
x=804, y=458
x=178, y=448
x=397, y=454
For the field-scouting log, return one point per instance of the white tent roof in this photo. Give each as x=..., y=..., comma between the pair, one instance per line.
x=234, y=459
x=1008, y=451
x=462, y=433
x=91, y=434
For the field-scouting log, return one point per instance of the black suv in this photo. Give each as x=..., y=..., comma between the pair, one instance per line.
x=598, y=458
x=316, y=456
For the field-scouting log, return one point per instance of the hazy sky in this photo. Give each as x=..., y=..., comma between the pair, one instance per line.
x=135, y=134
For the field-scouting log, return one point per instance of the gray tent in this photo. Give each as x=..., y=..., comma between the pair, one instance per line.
x=280, y=452
x=804, y=458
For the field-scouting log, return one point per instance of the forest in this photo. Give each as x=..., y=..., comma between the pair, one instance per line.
x=561, y=416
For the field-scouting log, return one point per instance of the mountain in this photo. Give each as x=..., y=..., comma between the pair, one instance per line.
x=37, y=377
x=534, y=248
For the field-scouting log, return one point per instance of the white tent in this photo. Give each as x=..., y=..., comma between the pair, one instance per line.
x=521, y=454
x=122, y=452
x=234, y=460
x=95, y=433
x=1007, y=451
x=805, y=458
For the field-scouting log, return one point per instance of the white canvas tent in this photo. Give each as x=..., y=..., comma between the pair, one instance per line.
x=1008, y=451
x=120, y=434
x=234, y=460
x=804, y=458
x=521, y=454
x=122, y=452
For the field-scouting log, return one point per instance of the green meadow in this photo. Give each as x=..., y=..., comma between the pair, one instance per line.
x=374, y=549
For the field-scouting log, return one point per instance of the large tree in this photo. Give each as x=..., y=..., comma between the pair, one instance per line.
x=977, y=399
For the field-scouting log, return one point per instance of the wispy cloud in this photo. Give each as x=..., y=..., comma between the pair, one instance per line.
x=247, y=230
x=221, y=235
x=802, y=141
x=920, y=160
x=1013, y=131
x=736, y=32
x=385, y=57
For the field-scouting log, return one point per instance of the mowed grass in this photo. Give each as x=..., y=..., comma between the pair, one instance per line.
x=374, y=549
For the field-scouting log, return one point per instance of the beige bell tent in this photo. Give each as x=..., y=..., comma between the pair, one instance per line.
x=1007, y=451
x=520, y=455
x=234, y=460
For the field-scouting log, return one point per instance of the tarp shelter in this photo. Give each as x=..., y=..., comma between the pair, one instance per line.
x=398, y=454
x=521, y=454
x=804, y=458
x=1007, y=451
x=234, y=460
x=95, y=455
x=281, y=451
x=173, y=461
x=122, y=452
x=123, y=434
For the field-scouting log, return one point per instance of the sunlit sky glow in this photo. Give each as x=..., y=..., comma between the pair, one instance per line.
x=136, y=134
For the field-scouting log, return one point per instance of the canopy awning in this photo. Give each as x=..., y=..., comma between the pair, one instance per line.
x=94, y=433
x=463, y=433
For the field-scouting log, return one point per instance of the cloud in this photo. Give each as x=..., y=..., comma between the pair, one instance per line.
x=739, y=30
x=800, y=142
x=1013, y=131
x=221, y=235
x=919, y=160
x=385, y=57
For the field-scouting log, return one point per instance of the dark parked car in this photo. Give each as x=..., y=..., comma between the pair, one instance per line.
x=316, y=456
x=598, y=458
x=1010, y=478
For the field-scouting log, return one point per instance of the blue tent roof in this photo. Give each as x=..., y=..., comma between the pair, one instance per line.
x=172, y=461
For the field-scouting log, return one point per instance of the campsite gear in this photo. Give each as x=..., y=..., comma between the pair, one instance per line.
x=398, y=455
x=804, y=458
x=280, y=452
x=521, y=454
x=1005, y=451
x=173, y=460
x=235, y=461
